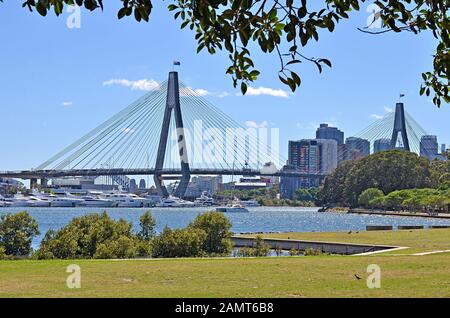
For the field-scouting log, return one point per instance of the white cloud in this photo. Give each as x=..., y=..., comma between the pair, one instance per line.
x=67, y=103
x=251, y=91
x=223, y=94
x=142, y=84
x=254, y=124
x=195, y=92
x=388, y=110
x=375, y=116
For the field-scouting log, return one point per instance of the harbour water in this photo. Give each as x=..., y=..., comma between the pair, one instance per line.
x=259, y=219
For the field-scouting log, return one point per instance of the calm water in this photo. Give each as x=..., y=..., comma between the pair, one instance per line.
x=260, y=219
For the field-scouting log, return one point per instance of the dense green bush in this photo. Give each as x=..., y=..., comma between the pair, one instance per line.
x=368, y=196
x=261, y=247
x=187, y=242
x=387, y=171
x=16, y=233
x=218, y=235
x=91, y=236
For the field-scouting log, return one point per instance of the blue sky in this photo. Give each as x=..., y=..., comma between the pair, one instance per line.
x=52, y=78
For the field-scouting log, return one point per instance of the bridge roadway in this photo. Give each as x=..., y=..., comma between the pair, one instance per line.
x=51, y=174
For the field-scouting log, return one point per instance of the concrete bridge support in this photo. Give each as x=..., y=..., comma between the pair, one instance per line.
x=172, y=104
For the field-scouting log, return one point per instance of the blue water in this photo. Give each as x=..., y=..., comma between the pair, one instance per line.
x=260, y=219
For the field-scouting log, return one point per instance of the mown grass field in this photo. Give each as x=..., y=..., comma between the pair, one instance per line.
x=312, y=276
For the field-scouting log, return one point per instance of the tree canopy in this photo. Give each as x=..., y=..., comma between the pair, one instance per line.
x=284, y=27
x=387, y=171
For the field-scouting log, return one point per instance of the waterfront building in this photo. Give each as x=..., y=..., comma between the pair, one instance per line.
x=200, y=184
x=313, y=156
x=381, y=145
x=326, y=132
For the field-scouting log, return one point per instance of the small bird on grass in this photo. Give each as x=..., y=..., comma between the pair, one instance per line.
x=357, y=277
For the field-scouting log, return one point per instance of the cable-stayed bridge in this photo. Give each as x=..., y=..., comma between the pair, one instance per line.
x=172, y=132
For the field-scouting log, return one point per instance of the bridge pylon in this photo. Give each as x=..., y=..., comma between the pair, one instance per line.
x=172, y=104
x=400, y=127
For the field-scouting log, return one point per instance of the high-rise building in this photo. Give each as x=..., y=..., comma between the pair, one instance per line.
x=381, y=145
x=357, y=148
x=142, y=185
x=443, y=148
x=326, y=132
x=328, y=155
x=314, y=156
x=429, y=147
x=133, y=185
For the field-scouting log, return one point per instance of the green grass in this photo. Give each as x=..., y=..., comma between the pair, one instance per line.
x=312, y=276
x=417, y=240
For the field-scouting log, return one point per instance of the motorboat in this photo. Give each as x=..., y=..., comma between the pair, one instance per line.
x=174, y=202
x=38, y=202
x=18, y=201
x=91, y=201
x=234, y=207
x=204, y=200
x=250, y=203
x=126, y=200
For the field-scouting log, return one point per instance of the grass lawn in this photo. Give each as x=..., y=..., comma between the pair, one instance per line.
x=312, y=276
x=418, y=241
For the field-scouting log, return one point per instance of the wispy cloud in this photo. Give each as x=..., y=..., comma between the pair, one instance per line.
x=196, y=91
x=252, y=91
x=388, y=110
x=67, y=103
x=142, y=84
x=223, y=94
x=375, y=116
x=254, y=124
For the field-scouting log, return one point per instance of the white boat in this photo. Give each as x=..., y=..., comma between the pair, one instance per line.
x=3, y=202
x=38, y=202
x=204, y=200
x=91, y=201
x=126, y=200
x=250, y=203
x=18, y=201
x=174, y=202
x=235, y=206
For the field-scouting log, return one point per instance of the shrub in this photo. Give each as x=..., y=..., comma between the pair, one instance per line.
x=187, y=242
x=147, y=224
x=218, y=235
x=261, y=247
x=312, y=252
x=368, y=195
x=94, y=235
x=16, y=233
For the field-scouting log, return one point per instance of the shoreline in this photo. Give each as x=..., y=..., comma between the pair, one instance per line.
x=386, y=213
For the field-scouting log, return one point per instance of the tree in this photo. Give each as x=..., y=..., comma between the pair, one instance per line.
x=284, y=27
x=90, y=236
x=332, y=191
x=218, y=234
x=187, y=242
x=16, y=233
x=147, y=224
x=388, y=171
x=367, y=196
x=261, y=247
